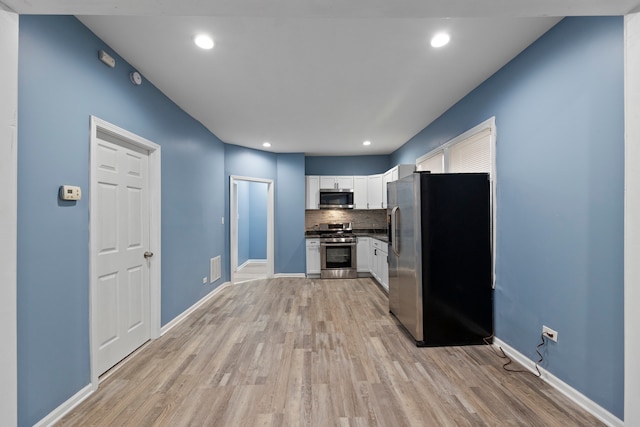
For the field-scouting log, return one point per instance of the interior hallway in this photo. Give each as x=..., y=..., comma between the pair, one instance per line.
x=293, y=352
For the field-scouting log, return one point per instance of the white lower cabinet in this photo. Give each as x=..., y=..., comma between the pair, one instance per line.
x=363, y=250
x=313, y=256
x=384, y=270
x=378, y=262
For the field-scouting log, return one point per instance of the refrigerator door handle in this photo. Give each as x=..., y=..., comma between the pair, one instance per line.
x=394, y=230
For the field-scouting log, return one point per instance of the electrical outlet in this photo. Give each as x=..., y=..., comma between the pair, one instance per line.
x=550, y=333
x=204, y=280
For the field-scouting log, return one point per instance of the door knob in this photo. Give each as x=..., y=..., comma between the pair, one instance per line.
x=148, y=254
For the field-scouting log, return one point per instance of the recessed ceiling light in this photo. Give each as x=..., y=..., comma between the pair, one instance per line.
x=266, y=144
x=366, y=143
x=440, y=40
x=203, y=41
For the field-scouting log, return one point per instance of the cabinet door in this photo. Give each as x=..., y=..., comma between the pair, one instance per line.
x=386, y=178
x=363, y=254
x=360, y=192
x=344, y=181
x=374, y=259
x=327, y=182
x=313, y=256
x=379, y=266
x=384, y=270
x=312, y=187
x=394, y=174
x=374, y=192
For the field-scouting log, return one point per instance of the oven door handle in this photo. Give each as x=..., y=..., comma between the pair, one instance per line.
x=338, y=244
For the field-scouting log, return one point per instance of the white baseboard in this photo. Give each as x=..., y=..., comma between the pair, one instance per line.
x=191, y=309
x=252, y=261
x=278, y=275
x=583, y=401
x=62, y=410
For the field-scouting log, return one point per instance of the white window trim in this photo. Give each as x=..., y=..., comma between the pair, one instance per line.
x=489, y=124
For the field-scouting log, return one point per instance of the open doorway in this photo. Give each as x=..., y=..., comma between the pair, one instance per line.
x=251, y=228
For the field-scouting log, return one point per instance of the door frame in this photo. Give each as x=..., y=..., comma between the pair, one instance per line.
x=9, y=215
x=631, y=219
x=154, y=151
x=233, y=222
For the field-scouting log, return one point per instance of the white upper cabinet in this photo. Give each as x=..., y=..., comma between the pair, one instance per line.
x=344, y=181
x=327, y=182
x=398, y=172
x=387, y=177
x=374, y=191
x=337, y=182
x=312, y=191
x=360, y=192
x=369, y=191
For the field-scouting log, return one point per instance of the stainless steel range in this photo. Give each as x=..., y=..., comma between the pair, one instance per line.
x=337, y=251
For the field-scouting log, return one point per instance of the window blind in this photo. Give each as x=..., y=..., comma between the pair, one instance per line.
x=435, y=163
x=471, y=155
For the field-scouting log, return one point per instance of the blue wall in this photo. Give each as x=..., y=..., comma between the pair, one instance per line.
x=290, y=244
x=258, y=220
x=61, y=84
x=252, y=221
x=346, y=165
x=560, y=164
x=559, y=114
x=244, y=221
x=287, y=173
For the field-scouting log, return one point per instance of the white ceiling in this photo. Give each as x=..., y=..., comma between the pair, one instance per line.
x=319, y=77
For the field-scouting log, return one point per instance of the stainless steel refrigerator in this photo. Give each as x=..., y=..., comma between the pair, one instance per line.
x=440, y=274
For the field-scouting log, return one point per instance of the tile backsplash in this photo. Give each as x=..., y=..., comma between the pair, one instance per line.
x=361, y=219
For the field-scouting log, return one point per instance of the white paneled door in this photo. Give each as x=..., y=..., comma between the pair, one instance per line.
x=122, y=244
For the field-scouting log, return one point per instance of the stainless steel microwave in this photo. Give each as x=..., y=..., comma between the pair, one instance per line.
x=331, y=198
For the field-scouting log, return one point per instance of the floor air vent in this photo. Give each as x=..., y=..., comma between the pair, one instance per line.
x=214, y=269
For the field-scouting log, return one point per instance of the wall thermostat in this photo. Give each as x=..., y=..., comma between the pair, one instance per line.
x=70, y=192
x=136, y=78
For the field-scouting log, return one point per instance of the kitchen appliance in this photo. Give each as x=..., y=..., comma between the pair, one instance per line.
x=440, y=279
x=332, y=198
x=337, y=251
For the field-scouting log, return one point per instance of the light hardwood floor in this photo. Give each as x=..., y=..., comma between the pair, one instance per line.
x=302, y=352
x=251, y=271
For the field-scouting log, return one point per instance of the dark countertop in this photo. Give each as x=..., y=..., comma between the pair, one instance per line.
x=376, y=234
